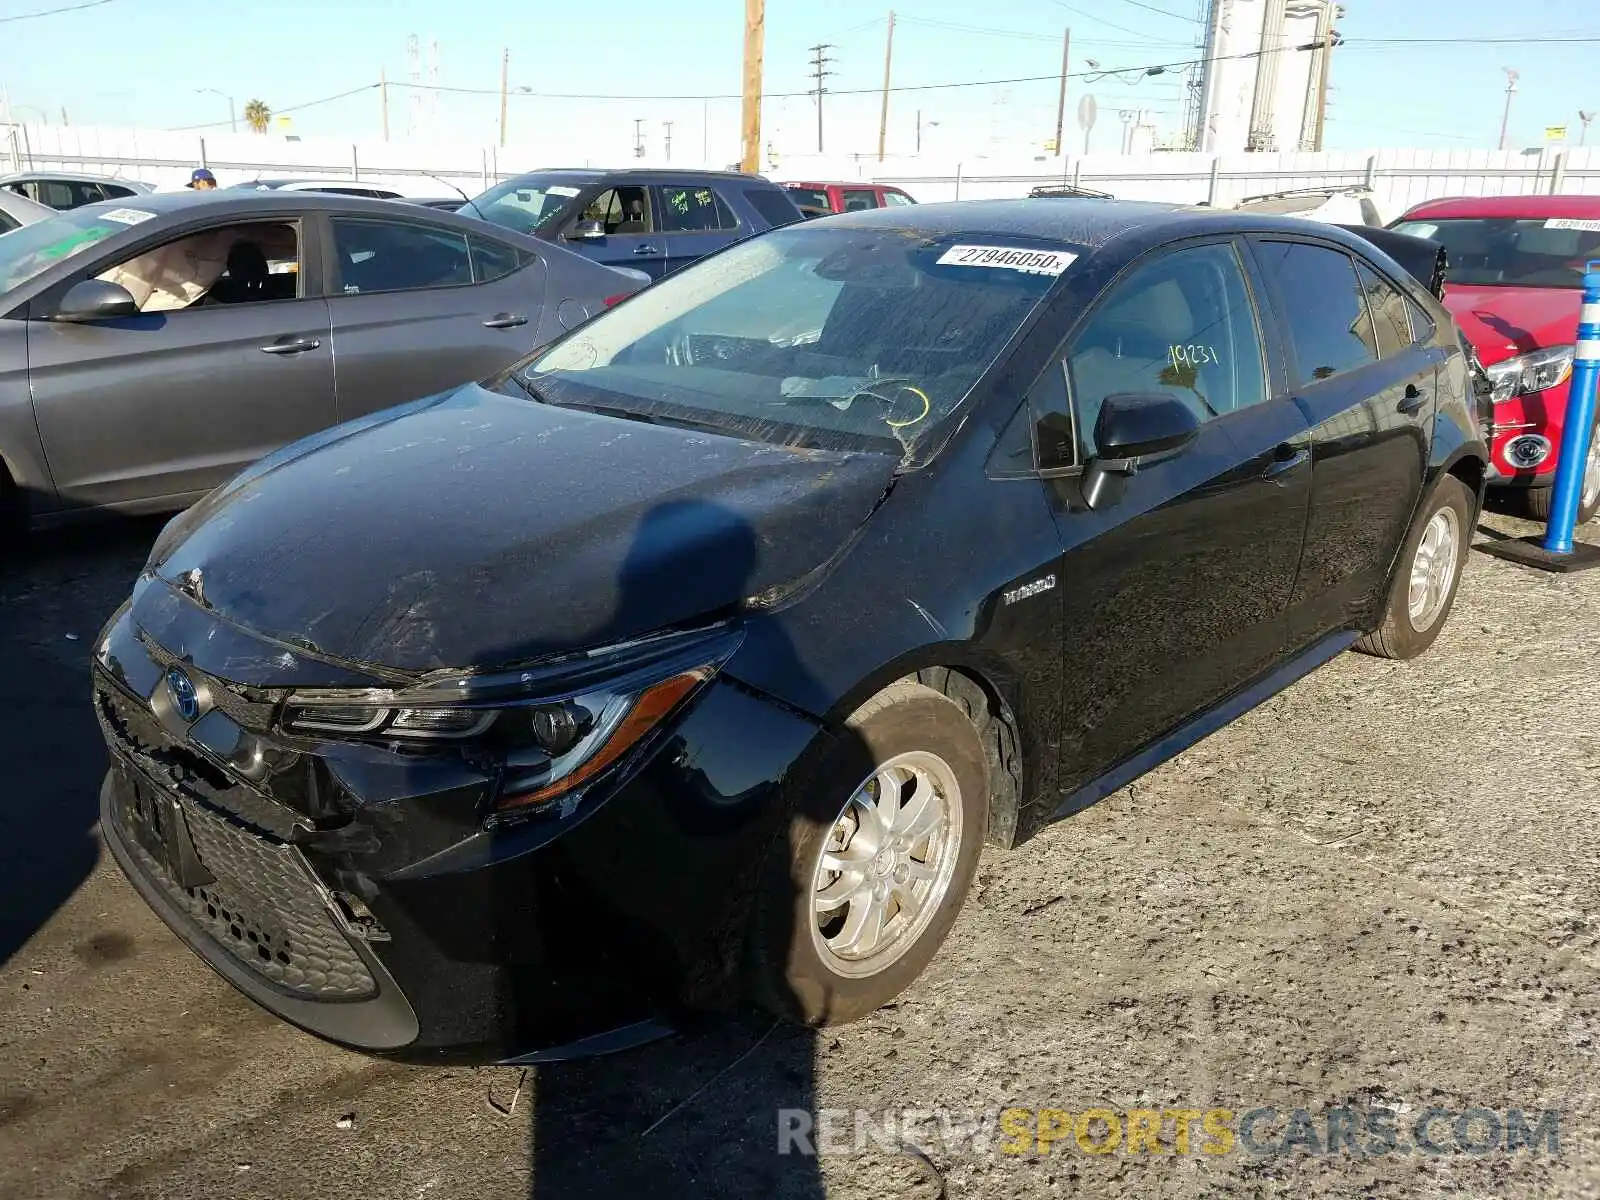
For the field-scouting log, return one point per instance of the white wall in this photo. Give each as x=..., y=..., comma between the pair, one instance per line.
x=1400, y=177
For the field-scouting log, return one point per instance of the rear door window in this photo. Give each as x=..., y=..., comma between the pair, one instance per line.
x=810, y=197
x=494, y=260
x=1388, y=308
x=893, y=199
x=774, y=207
x=391, y=256
x=693, y=208
x=621, y=210
x=1325, y=310
x=859, y=199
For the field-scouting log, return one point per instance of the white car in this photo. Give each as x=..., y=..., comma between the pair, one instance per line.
x=17, y=211
x=1334, y=205
x=338, y=187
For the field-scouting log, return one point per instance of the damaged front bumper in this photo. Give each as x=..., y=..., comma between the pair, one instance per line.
x=363, y=890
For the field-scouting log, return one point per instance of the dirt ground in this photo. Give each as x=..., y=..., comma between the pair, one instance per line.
x=1378, y=890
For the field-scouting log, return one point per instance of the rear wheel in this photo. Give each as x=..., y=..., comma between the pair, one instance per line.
x=856, y=899
x=1537, y=502
x=1429, y=570
x=13, y=519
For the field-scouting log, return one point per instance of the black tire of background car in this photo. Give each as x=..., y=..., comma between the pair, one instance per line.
x=786, y=974
x=1395, y=637
x=1537, y=502
x=13, y=519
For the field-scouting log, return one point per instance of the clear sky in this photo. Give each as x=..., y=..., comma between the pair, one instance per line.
x=140, y=62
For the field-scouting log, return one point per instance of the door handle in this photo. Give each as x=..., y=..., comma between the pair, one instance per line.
x=1285, y=459
x=505, y=321
x=291, y=346
x=1415, y=398
x=646, y=250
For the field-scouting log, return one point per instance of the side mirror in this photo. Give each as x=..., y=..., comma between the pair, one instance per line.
x=96, y=300
x=1131, y=427
x=587, y=231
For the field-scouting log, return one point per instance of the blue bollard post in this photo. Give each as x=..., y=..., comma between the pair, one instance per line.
x=1579, y=420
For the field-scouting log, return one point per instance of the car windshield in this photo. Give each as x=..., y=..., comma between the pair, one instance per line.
x=1548, y=252
x=806, y=336
x=34, y=249
x=528, y=205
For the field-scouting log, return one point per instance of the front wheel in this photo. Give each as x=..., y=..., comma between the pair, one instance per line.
x=858, y=896
x=1429, y=570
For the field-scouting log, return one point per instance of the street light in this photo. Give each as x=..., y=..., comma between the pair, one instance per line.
x=1511, y=90
x=921, y=125
x=233, y=119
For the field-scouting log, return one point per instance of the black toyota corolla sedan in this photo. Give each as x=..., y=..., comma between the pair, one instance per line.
x=697, y=656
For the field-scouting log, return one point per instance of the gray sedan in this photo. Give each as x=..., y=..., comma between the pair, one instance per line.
x=152, y=347
x=16, y=211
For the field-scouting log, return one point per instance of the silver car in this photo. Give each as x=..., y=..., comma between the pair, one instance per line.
x=16, y=211
x=150, y=348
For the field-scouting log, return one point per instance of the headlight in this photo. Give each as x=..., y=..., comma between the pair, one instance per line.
x=550, y=731
x=1528, y=373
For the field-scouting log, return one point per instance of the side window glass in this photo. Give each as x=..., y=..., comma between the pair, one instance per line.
x=114, y=191
x=1181, y=324
x=857, y=199
x=7, y=224
x=236, y=264
x=693, y=208
x=493, y=260
x=1422, y=326
x=384, y=256
x=775, y=208
x=622, y=210
x=56, y=194
x=86, y=193
x=1041, y=435
x=1325, y=308
x=1388, y=311
x=896, y=199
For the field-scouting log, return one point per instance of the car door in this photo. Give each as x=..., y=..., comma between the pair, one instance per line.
x=1366, y=386
x=627, y=236
x=858, y=199
x=1174, y=592
x=417, y=308
x=229, y=358
x=694, y=221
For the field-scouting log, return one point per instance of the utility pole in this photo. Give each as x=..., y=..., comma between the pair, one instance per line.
x=383, y=99
x=755, y=31
x=1061, y=102
x=667, y=144
x=638, y=137
x=1511, y=90
x=883, y=115
x=819, y=62
x=505, y=87
x=1329, y=41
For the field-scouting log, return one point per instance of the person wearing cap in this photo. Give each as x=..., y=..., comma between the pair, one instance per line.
x=202, y=180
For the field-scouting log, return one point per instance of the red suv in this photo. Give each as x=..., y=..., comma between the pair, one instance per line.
x=820, y=199
x=1515, y=282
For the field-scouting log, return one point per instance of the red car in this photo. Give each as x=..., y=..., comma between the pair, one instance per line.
x=1515, y=282
x=819, y=199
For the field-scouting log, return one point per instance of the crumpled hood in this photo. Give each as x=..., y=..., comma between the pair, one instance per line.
x=485, y=529
x=1503, y=322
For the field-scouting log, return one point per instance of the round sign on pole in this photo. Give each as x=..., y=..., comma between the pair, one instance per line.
x=1088, y=111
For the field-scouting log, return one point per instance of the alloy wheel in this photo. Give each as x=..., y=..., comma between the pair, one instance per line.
x=1433, y=569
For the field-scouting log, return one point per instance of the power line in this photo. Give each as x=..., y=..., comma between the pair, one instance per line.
x=1091, y=16
x=51, y=12
x=356, y=91
x=1163, y=11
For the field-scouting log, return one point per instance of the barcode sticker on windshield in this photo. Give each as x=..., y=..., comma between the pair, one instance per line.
x=1008, y=258
x=1573, y=223
x=127, y=216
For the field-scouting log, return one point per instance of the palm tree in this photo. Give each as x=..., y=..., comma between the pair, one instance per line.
x=257, y=115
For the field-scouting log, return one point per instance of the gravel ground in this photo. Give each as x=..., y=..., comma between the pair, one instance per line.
x=1379, y=889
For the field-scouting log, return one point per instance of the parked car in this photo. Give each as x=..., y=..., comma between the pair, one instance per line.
x=337, y=187
x=1515, y=286
x=17, y=210
x=1336, y=205
x=1060, y=191
x=443, y=203
x=654, y=220
x=153, y=351
x=699, y=654
x=63, y=191
x=818, y=199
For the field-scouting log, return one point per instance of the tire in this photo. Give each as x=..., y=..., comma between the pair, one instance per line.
x=802, y=966
x=1537, y=502
x=1402, y=636
x=13, y=519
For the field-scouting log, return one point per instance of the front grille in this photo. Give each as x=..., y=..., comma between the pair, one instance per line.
x=246, y=712
x=263, y=906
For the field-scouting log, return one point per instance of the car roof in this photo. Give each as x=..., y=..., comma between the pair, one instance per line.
x=1534, y=207
x=69, y=177
x=641, y=175
x=839, y=183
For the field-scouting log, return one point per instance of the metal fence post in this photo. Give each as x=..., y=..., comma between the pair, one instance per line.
x=958, y=181
x=203, y=161
x=1216, y=180
x=1372, y=172
x=1558, y=176
x=355, y=162
x=1573, y=464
